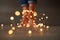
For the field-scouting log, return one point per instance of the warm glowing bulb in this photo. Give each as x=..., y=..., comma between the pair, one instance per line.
x=11, y=18
x=42, y=18
x=11, y=24
x=2, y=25
x=33, y=21
x=17, y=13
x=41, y=24
x=39, y=19
x=46, y=17
x=18, y=23
x=10, y=32
x=30, y=16
x=28, y=25
x=29, y=32
x=13, y=28
x=41, y=29
x=35, y=14
x=47, y=27
x=43, y=14
x=19, y=26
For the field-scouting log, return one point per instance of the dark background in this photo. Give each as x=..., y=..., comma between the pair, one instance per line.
x=51, y=7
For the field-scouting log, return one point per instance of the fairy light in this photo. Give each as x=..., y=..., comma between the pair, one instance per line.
x=11, y=25
x=19, y=26
x=29, y=32
x=10, y=32
x=43, y=14
x=42, y=18
x=33, y=21
x=46, y=17
x=13, y=28
x=35, y=14
x=39, y=19
x=30, y=16
x=41, y=29
x=28, y=25
x=17, y=13
x=18, y=23
x=2, y=25
x=11, y=18
x=47, y=27
x=41, y=24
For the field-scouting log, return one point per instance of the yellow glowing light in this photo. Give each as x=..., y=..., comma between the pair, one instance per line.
x=20, y=20
x=43, y=14
x=34, y=21
x=41, y=29
x=2, y=25
x=11, y=18
x=44, y=26
x=18, y=23
x=10, y=32
x=28, y=25
x=19, y=26
x=46, y=17
x=39, y=19
x=37, y=26
x=25, y=11
x=29, y=32
x=17, y=13
x=47, y=27
x=11, y=25
x=24, y=25
x=35, y=14
x=13, y=28
x=34, y=25
x=30, y=16
x=42, y=18
x=41, y=24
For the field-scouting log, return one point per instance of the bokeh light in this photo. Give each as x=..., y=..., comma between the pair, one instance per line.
x=11, y=18
x=10, y=32
x=41, y=29
x=47, y=27
x=2, y=24
x=29, y=32
x=46, y=17
x=13, y=28
x=17, y=13
x=44, y=14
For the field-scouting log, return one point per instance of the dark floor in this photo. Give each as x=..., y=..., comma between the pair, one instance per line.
x=53, y=33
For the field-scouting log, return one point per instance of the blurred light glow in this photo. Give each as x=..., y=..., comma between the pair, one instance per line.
x=13, y=28
x=11, y=25
x=39, y=19
x=19, y=26
x=11, y=18
x=2, y=24
x=43, y=14
x=42, y=18
x=18, y=23
x=29, y=32
x=17, y=13
x=30, y=16
x=47, y=27
x=41, y=29
x=35, y=14
x=28, y=25
x=46, y=17
x=10, y=32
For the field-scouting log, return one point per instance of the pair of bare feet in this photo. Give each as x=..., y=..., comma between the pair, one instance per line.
x=28, y=18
